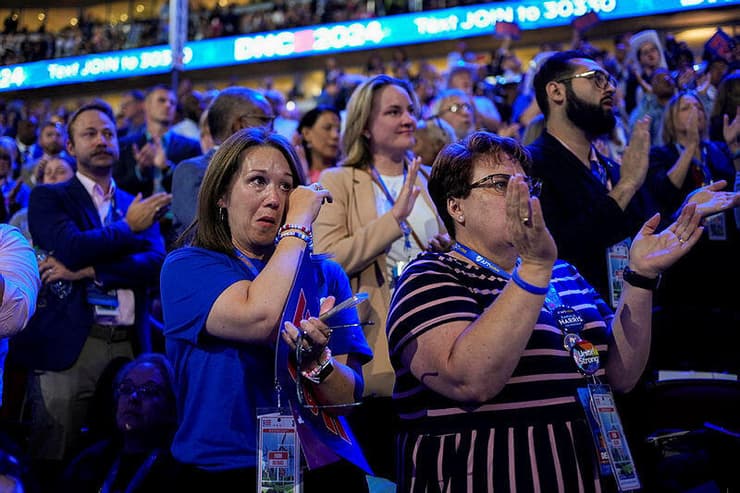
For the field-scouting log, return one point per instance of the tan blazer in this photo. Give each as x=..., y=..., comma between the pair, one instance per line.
x=350, y=229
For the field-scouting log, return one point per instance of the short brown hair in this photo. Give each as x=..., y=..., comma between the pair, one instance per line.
x=453, y=168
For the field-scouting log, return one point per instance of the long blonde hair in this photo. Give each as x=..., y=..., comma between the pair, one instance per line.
x=355, y=145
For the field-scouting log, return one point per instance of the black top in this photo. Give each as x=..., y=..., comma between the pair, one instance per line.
x=583, y=219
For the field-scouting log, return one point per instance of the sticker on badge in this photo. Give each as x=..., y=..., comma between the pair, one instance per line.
x=586, y=357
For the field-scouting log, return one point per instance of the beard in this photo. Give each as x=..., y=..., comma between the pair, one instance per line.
x=591, y=118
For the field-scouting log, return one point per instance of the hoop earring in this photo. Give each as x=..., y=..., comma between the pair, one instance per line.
x=222, y=214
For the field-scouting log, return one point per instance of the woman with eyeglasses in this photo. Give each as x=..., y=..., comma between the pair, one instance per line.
x=381, y=217
x=491, y=341
x=137, y=458
x=455, y=107
x=223, y=298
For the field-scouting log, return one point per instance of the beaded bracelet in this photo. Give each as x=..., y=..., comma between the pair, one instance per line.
x=297, y=234
x=530, y=288
x=299, y=227
x=314, y=375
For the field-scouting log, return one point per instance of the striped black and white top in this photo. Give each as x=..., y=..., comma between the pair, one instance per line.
x=532, y=436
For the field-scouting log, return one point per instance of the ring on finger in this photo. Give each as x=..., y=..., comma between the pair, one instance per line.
x=525, y=220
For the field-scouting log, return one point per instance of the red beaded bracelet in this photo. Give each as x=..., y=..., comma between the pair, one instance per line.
x=298, y=227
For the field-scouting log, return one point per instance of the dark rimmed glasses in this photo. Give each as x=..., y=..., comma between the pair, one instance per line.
x=600, y=79
x=499, y=182
x=146, y=391
x=267, y=120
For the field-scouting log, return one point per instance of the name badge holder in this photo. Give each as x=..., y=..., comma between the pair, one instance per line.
x=613, y=452
x=278, y=447
x=105, y=303
x=279, y=452
x=617, y=258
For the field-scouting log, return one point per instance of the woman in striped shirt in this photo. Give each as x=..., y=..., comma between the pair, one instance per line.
x=488, y=370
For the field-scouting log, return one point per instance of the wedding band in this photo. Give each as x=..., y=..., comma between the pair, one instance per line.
x=525, y=220
x=681, y=240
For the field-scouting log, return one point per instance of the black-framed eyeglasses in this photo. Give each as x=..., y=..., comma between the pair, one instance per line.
x=600, y=79
x=146, y=391
x=458, y=107
x=267, y=120
x=499, y=182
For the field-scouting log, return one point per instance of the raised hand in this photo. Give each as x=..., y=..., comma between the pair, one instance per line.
x=526, y=224
x=651, y=254
x=440, y=243
x=408, y=194
x=143, y=212
x=709, y=199
x=635, y=159
x=305, y=202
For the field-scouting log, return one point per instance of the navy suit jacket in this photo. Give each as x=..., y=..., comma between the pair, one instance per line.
x=178, y=148
x=64, y=220
x=186, y=180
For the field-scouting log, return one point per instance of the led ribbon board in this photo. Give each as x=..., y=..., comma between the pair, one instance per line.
x=406, y=29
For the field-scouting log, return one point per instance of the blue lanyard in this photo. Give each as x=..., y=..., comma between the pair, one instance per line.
x=552, y=299
x=403, y=224
x=247, y=261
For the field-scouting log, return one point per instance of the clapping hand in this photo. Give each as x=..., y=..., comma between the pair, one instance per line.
x=440, y=243
x=408, y=194
x=709, y=199
x=652, y=253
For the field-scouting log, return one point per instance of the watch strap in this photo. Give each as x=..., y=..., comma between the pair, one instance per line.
x=635, y=279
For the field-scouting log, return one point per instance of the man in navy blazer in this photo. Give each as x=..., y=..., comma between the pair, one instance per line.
x=148, y=158
x=107, y=246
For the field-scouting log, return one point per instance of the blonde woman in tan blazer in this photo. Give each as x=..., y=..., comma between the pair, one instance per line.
x=380, y=218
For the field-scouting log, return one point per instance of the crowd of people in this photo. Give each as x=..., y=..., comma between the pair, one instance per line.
x=19, y=43
x=519, y=252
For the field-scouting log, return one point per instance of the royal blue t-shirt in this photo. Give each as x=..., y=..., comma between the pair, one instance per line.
x=221, y=384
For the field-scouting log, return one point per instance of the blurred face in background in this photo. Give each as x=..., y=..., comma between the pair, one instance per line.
x=688, y=105
x=649, y=55
x=664, y=86
x=323, y=136
x=51, y=139
x=160, y=106
x=57, y=170
x=142, y=400
x=459, y=113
